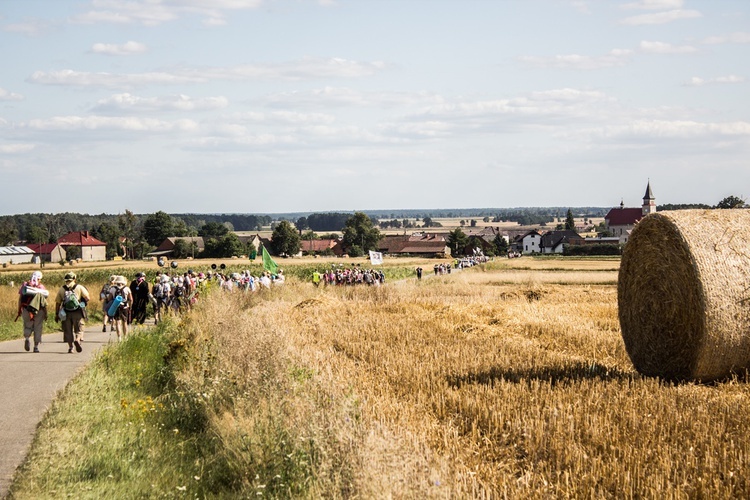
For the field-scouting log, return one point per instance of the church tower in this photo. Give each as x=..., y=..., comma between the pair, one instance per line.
x=649, y=202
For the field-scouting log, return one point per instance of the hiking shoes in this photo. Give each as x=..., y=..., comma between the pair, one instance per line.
x=70, y=350
x=26, y=344
x=78, y=346
x=104, y=328
x=36, y=349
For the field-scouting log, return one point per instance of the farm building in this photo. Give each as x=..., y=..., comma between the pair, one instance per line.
x=92, y=249
x=621, y=221
x=166, y=247
x=320, y=246
x=48, y=252
x=555, y=241
x=418, y=244
x=16, y=255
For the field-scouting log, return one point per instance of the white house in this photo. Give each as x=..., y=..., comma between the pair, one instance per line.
x=532, y=242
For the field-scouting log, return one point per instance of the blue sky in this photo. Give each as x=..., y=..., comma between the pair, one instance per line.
x=262, y=106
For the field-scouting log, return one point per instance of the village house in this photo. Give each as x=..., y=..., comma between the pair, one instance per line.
x=531, y=242
x=621, y=221
x=92, y=249
x=556, y=241
x=310, y=247
x=166, y=248
x=417, y=244
x=48, y=252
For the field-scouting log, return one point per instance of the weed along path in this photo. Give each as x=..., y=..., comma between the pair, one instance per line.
x=29, y=382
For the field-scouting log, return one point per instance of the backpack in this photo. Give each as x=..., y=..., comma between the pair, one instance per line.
x=159, y=291
x=70, y=300
x=179, y=291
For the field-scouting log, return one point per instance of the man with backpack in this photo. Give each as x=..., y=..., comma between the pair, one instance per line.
x=161, y=292
x=70, y=308
x=32, y=307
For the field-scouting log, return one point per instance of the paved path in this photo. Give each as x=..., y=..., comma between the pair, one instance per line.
x=28, y=383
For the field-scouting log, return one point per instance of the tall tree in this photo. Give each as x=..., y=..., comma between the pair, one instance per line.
x=8, y=232
x=128, y=224
x=570, y=222
x=285, y=239
x=157, y=227
x=213, y=230
x=360, y=232
x=457, y=241
x=731, y=202
x=501, y=245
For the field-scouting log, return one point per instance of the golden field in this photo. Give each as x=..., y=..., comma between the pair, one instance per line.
x=464, y=386
x=491, y=382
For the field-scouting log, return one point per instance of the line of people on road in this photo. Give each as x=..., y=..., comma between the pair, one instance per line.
x=349, y=276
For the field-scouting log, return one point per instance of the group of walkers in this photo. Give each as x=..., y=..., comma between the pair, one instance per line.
x=245, y=281
x=349, y=276
x=70, y=310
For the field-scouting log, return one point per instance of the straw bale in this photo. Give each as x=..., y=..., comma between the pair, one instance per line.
x=684, y=294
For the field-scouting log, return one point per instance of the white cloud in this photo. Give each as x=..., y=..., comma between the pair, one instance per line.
x=131, y=124
x=16, y=148
x=615, y=58
x=649, y=47
x=125, y=49
x=6, y=95
x=699, y=82
x=327, y=97
x=661, y=17
x=129, y=102
x=155, y=12
x=31, y=28
x=737, y=37
x=304, y=69
x=581, y=6
x=675, y=129
x=654, y=4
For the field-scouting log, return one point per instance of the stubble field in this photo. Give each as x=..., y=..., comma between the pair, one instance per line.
x=505, y=381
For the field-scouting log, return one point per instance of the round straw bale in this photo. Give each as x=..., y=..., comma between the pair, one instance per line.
x=684, y=294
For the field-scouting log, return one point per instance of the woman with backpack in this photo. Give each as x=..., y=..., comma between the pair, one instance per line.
x=120, y=314
x=103, y=296
x=32, y=307
x=70, y=308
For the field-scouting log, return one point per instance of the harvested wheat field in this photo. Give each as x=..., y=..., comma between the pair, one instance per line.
x=465, y=386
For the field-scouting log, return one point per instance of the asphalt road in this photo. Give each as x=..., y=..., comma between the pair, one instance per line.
x=29, y=383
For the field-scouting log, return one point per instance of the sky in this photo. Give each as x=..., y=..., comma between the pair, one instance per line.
x=278, y=106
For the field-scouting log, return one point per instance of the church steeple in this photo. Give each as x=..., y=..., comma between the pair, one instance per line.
x=649, y=202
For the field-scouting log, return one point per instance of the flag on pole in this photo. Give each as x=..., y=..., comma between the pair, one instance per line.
x=268, y=263
x=376, y=258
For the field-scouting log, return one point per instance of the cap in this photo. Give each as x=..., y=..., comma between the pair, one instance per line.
x=70, y=276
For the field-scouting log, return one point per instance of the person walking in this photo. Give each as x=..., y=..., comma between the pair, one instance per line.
x=139, y=290
x=161, y=292
x=32, y=307
x=105, y=304
x=70, y=309
x=121, y=316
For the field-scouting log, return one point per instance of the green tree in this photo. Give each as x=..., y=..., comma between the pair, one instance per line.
x=501, y=245
x=157, y=227
x=8, y=232
x=285, y=239
x=37, y=234
x=731, y=202
x=457, y=241
x=128, y=224
x=213, y=230
x=228, y=245
x=360, y=231
x=570, y=222
x=73, y=252
x=182, y=249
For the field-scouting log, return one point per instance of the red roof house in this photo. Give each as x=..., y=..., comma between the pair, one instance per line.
x=91, y=248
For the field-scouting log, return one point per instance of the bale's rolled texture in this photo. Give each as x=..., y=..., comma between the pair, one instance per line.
x=684, y=294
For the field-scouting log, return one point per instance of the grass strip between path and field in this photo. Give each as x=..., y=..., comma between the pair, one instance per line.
x=140, y=422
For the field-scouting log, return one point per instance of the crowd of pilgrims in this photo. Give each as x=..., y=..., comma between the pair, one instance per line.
x=170, y=293
x=354, y=275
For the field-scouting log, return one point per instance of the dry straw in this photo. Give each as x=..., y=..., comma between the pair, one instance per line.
x=684, y=294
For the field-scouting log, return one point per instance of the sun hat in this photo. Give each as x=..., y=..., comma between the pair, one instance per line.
x=120, y=280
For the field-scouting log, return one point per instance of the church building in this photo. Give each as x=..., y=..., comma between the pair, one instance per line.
x=621, y=221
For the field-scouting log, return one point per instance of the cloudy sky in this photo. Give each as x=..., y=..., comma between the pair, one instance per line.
x=263, y=106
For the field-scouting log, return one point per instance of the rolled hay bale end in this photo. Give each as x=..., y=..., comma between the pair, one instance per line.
x=683, y=294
